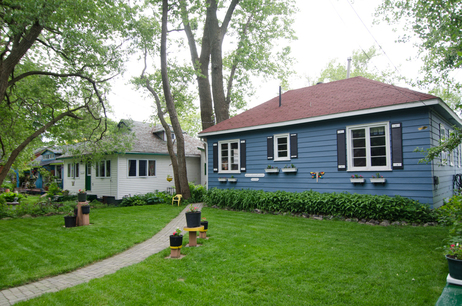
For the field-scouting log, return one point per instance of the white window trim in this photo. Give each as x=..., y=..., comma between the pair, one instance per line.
x=229, y=156
x=368, y=158
x=98, y=165
x=275, y=146
x=138, y=167
x=73, y=174
x=451, y=153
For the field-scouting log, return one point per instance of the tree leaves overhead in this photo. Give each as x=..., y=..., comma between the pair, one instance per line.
x=438, y=26
x=55, y=56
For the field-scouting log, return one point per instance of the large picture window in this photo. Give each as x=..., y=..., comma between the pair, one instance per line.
x=369, y=147
x=141, y=168
x=103, y=168
x=229, y=156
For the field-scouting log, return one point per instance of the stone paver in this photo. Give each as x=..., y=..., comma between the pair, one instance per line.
x=132, y=256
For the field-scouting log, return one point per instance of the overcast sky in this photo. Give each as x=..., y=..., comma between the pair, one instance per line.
x=326, y=30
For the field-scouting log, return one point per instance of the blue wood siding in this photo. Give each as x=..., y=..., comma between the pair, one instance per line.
x=317, y=152
x=443, y=171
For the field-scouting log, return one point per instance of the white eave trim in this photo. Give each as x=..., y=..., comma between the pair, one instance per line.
x=416, y=104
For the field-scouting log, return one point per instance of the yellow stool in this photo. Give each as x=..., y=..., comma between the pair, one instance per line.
x=177, y=198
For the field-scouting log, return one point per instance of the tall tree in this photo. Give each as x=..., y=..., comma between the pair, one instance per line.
x=361, y=65
x=55, y=56
x=255, y=30
x=437, y=25
x=169, y=87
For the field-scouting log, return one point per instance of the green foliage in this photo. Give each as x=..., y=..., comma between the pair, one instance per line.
x=437, y=24
x=146, y=199
x=9, y=196
x=53, y=189
x=311, y=202
x=197, y=193
x=360, y=66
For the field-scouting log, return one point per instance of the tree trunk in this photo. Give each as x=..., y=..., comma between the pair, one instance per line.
x=180, y=148
x=201, y=65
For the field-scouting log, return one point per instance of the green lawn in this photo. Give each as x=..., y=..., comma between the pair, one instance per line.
x=255, y=259
x=33, y=248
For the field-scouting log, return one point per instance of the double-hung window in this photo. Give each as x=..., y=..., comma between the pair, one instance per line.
x=73, y=170
x=369, y=147
x=282, y=147
x=141, y=168
x=229, y=156
x=103, y=168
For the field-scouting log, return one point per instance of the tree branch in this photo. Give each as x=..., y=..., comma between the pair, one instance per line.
x=229, y=14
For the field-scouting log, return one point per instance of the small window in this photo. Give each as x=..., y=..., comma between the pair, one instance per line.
x=282, y=147
x=152, y=168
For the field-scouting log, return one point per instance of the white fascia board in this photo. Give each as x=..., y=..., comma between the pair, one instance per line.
x=416, y=104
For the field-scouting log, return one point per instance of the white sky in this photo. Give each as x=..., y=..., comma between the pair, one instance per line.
x=326, y=30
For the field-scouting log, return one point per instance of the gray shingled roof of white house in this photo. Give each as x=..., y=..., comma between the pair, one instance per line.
x=146, y=141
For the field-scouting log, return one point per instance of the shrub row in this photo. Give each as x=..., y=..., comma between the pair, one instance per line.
x=149, y=198
x=378, y=207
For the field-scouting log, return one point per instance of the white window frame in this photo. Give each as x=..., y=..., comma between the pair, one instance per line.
x=73, y=170
x=229, y=142
x=451, y=153
x=137, y=166
x=275, y=146
x=443, y=154
x=97, y=169
x=459, y=155
x=368, y=166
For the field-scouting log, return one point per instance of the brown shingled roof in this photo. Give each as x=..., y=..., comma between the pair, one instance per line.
x=336, y=97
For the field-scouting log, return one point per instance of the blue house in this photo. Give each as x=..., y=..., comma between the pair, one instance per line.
x=354, y=135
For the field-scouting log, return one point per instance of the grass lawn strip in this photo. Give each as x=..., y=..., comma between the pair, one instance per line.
x=253, y=259
x=33, y=248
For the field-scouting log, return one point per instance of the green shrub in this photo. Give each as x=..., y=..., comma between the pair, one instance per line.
x=197, y=193
x=378, y=207
x=147, y=199
x=450, y=214
x=9, y=196
x=53, y=189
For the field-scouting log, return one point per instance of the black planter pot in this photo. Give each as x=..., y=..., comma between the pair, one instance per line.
x=69, y=221
x=455, y=267
x=82, y=197
x=205, y=224
x=85, y=209
x=176, y=241
x=193, y=219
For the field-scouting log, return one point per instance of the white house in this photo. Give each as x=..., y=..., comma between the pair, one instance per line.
x=144, y=169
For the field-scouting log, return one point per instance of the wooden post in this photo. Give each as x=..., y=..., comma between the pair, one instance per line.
x=81, y=218
x=193, y=234
x=175, y=252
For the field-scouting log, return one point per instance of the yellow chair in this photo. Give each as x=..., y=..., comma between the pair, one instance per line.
x=177, y=198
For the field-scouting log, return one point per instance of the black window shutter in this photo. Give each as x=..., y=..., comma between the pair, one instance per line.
x=341, y=150
x=293, y=146
x=269, y=147
x=397, y=146
x=243, y=158
x=215, y=157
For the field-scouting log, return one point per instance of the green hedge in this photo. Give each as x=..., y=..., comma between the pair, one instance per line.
x=378, y=207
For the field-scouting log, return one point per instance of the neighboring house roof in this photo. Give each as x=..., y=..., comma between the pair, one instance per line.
x=326, y=101
x=147, y=142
